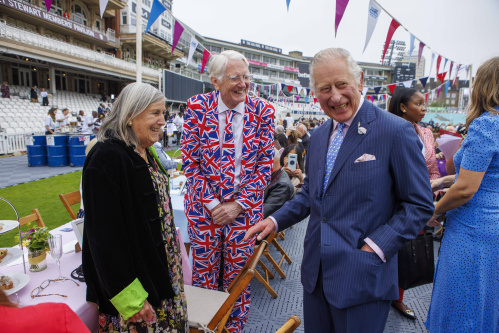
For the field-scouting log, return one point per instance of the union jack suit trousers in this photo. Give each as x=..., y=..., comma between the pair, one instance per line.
x=202, y=166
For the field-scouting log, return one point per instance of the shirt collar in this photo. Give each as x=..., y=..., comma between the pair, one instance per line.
x=349, y=121
x=240, y=108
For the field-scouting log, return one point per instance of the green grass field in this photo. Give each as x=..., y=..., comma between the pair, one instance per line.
x=42, y=194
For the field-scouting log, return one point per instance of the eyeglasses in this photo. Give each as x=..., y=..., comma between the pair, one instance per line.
x=238, y=78
x=36, y=292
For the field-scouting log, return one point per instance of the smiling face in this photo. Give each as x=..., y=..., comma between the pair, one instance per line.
x=337, y=90
x=147, y=125
x=233, y=93
x=414, y=109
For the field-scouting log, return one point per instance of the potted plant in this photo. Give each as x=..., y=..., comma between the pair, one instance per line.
x=36, y=241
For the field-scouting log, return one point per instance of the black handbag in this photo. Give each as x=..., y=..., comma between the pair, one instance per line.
x=416, y=265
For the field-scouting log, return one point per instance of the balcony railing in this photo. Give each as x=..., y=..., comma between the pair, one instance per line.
x=53, y=45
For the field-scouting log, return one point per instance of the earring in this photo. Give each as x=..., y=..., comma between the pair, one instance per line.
x=130, y=123
x=402, y=111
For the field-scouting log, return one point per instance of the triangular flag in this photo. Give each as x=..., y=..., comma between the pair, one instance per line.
x=423, y=81
x=393, y=26
x=364, y=91
x=376, y=90
x=206, y=56
x=411, y=48
x=315, y=100
x=420, y=52
x=371, y=98
x=438, y=91
x=450, y=69
x=341, y=5
x=48, y=4
x=372, y=18
x=306, y=99
x=290, y=88
x=308, y=91
x=297, y=97
x=445, y=63
x=287, y=4
x=102, y=6
x=177, y=32
x=426, y=98
x=282, y=86
x=446, y=88
x=192, y=48
x=407, y=84
x=438, y=63
x=391, y=87
x=156, y=10
x=455, y=78
x=298, y=90
x=441, y=76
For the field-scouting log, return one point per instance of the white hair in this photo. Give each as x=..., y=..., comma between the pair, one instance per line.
x=131, y=102
x=333, y=54
x=218, y=62
x=279, y=129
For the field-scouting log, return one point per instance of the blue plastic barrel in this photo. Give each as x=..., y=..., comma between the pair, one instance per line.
x=57, y=150
x=37, y=150
x=77, y=145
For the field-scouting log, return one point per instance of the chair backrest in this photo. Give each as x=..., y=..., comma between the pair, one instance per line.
x=288, y=327
x=70, y=199
x=236, y=287
x=34, y=216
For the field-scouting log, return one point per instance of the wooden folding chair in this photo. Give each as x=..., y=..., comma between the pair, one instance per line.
x=70, y=199
x=33, y=217
x=208, y=310
x=272, y=239
x=292, y=323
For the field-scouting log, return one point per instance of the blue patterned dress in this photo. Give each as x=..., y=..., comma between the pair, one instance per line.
x=466, y=286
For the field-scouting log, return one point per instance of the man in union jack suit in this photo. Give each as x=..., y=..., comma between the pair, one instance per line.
x=227, y=149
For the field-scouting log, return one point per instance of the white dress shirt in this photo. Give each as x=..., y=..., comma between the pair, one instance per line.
x=237, y=130
x=88, y=124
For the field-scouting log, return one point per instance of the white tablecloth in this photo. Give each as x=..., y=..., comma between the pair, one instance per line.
x=87, y=311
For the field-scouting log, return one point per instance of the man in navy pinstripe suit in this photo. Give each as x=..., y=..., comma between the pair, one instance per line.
x=376, y=198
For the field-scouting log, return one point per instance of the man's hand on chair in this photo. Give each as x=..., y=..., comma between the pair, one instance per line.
x=263, y=227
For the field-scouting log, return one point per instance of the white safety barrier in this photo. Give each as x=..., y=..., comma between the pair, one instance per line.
x=10, y=143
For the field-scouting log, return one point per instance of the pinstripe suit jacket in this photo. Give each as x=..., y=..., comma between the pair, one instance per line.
x=388, y=200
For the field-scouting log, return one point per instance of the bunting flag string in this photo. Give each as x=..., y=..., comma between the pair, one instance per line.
x=102, y=6
x=48, y=4
x=423, y=81
x=420, y=52
x=441, y=76
x=411, y=48
x=438, y=63
x=391, y=87
x=206, y=56
x=192, y=48
x=287, y=4
x=156, y=10
x=372, y=20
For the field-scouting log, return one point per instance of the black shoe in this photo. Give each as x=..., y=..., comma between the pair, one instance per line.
x=408, y=313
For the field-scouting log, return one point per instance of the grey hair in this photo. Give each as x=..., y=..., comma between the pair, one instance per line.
x=334, y=54
x=218, y=62
x=130, y=103
x=279, y=129
x=303, y=127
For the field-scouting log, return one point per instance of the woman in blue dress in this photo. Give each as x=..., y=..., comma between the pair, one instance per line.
x=466, y=286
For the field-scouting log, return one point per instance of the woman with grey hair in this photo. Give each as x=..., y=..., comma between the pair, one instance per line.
x=131, y=256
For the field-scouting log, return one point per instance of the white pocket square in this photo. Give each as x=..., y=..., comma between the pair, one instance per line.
x=365, y=158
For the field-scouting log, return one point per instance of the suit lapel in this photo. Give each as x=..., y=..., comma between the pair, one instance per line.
x=352, y=139
x=249, y=131
x=322, y=148
x=211, y=133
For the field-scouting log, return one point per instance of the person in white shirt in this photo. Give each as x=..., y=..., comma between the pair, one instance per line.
x=289, y=120
x=62, y=119
x=88, y=123
x=50, y=121
x=179, y=122
x=45, y=99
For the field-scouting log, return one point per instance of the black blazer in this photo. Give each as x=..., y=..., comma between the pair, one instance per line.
x=278, y=192
x=122, y=235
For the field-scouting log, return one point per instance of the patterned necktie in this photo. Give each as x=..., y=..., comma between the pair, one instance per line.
x=332, y=153
x=227, y=168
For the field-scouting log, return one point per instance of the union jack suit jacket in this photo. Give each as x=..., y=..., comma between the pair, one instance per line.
x=201, y=157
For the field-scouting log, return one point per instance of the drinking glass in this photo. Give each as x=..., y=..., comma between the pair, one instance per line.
x=55, y=245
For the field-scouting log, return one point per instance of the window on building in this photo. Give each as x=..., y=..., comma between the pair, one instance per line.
x=285, y=63
x=255, y=57
x=266, y=72
x=453, y=95
x=272, y=61
x=98, y=25
x=55, y=8
x=289, y=76
x=273, y=74
x=124, y=18
x=255, y=70
x=79, y=14
x=147, y=3
x=266, y=59
x=216, y=49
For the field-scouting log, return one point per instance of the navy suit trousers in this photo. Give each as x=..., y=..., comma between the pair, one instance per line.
x=320, y=316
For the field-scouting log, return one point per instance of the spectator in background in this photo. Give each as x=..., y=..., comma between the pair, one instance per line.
x=34, y=94
x=45, y=98
x=279, y=190
x=103, y=97
x=63, y=119
x=305, y=136
x=88, y=123
x=311, y=127
x=50, y=121
x=280, y=136
x=179, y=122
x=5, y=90
x=289, y=120
x=298, y=174
x=101, y=110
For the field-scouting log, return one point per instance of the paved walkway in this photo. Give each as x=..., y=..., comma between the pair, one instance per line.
x=266, y=314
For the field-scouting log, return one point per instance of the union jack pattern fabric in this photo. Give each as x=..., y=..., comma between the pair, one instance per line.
x=227, y=166
x=202, y=165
